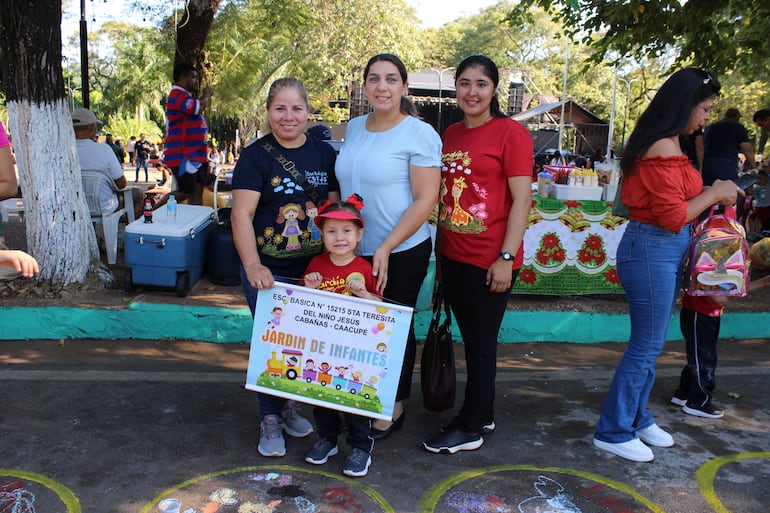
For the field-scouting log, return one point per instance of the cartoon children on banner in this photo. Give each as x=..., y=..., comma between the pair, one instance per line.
x=326, y=349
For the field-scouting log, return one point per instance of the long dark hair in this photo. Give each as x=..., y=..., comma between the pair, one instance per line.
x=489, y=68
x=669, y=111
x=407, y=107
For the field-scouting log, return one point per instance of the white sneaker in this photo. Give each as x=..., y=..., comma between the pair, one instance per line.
x=633, y=450
x=655, y=436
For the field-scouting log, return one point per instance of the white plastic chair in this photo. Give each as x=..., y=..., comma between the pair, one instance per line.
x=11, y=205
x=92, y=181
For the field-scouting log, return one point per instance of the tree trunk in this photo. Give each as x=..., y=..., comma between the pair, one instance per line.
x=59, y=231
x=192, y=31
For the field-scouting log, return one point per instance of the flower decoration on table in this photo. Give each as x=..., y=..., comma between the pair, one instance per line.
x=550, y=255
x=527, y=276
x=611, y=276
x=592, y=256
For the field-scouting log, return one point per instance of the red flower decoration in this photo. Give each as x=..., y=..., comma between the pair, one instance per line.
x=584, y=256
x=612, y=277
x=594, y=242
x=543, y=257
x=527, y=276
x=550, y=240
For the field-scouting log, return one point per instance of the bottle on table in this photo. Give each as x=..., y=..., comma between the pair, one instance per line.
x=544, y=179
x=171, y=208
x=147, y=210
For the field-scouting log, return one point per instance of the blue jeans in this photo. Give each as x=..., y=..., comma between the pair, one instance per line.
x=649, y=265
x=141, y=162
x=268, y=404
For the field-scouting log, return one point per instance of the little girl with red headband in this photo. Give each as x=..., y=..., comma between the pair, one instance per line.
x=340, y=270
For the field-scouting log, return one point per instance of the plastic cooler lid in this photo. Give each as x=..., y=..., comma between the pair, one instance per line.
x=188, y=217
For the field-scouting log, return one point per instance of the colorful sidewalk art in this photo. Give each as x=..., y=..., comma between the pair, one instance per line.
x=325, y=349
x=528, y=489
x=569, y=248
x=28, y=492
x=274, y=489
x=500, y=489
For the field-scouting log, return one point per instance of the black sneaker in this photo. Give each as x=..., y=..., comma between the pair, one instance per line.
x=708, y=411
x=321, y=452
x=679, y=398
x=486, y=429
x=453, y=440
x=357, y=464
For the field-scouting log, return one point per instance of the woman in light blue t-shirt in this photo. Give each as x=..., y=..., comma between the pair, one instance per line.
x=393, y=160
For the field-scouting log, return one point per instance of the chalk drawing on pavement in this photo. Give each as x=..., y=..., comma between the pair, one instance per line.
x=530, y=489
x=28, y=492
x=272, y=489
x=706, y=477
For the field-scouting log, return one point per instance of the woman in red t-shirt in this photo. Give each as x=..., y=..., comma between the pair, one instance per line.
x=663, y=193
x=485, y=200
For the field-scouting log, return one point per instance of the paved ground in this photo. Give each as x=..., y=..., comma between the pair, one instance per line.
x=115, y=426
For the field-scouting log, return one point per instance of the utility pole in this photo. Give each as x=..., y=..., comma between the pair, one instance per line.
x=84, y=56
x=440, y=91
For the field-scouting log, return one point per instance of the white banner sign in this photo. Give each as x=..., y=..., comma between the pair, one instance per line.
x=326, y=349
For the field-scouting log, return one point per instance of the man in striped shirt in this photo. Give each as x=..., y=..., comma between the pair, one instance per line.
x=185, y=149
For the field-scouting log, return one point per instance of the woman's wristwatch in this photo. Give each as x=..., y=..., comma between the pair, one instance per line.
x=506, y=256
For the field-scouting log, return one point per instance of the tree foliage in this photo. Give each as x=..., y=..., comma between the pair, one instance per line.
x=324, y=44
x=134, y=75
x=717, y=35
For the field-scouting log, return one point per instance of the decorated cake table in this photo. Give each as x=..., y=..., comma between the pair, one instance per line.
x=569, y=248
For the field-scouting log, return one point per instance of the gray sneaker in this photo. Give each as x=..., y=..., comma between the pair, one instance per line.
x=293, y=423
x=357, y=464
x=321, y=452
x=271, y=443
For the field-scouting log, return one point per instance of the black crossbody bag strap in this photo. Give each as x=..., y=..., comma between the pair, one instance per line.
x=291, y=168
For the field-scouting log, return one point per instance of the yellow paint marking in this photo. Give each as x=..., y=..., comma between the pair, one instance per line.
x=707, y=473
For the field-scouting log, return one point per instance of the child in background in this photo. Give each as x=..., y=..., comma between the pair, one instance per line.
x=699, y=321
x=340, y=270
x=760, y=211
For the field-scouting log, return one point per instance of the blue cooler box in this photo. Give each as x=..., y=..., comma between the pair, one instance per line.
x=162, y=254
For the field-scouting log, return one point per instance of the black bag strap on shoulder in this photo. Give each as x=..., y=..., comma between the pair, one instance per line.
x=291, y=168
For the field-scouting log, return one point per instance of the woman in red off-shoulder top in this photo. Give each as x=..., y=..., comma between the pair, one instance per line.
x=663, y=193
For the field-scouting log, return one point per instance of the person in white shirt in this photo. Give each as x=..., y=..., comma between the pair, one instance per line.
x=100, y=157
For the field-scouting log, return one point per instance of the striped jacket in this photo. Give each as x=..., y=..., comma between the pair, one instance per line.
x=186, y=129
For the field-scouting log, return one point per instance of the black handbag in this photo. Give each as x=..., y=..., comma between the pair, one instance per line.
x=437, y=365
x=618, y=208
